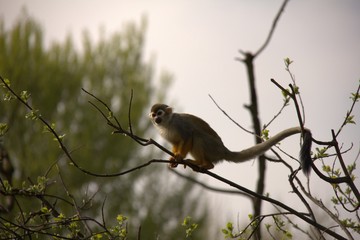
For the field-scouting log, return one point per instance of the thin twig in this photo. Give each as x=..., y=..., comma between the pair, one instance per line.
x=292, y=77
x=346, y=173
x=228, y=116
x=320, y=204
x=118, y=128
x=273, y=27
x=293, y=175
x=292, y=95
x=348, y=114
x=276, y=115
x=129, y=112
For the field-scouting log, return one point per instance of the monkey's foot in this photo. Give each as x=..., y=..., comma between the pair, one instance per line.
x=194, y=166
x=207, y=165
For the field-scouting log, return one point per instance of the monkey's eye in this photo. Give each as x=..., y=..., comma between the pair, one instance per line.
x=160, y=113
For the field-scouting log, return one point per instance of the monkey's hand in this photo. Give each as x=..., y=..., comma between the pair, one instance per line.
x=173, y=163
x=175, y=160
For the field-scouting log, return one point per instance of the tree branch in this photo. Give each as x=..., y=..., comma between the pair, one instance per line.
x=273, y=26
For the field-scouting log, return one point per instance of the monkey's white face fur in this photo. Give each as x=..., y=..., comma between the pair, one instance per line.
x=161, y=116
x=158, y=117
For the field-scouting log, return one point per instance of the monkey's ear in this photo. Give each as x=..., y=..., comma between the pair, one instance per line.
x=168, y=110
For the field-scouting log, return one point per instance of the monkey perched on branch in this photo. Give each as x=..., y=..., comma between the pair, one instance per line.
x=190, y=134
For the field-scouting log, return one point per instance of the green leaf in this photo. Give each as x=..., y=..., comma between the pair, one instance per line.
x=288, y=234
x=287, y=62
x=350, y=119
x=121, y=218
x=97, y=236
x=268, y=226
x=3, y=128
x=33, y=115
x=351, y=167
x=45, y=210
x=24, y=95
x=355, y=97
x=296, y=89
x=121, y=228
x=6, y=82
x=228, y=231
x=61, y=137
x=7, y=186
x=230, y=226
x=60, y=217
x=265, y=134
x=190, y=227
x=285, y=93
x=8, y=96
x=321, y=152
x=46, y=129
x=110, y=115
x=335, y=200
x=326, y=168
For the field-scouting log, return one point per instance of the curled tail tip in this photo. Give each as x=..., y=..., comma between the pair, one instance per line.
x=305, y=153
x=306, y=168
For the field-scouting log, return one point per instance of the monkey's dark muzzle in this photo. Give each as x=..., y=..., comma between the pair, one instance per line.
x=157, y=120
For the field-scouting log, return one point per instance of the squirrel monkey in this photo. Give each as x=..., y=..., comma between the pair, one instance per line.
x=190, y=134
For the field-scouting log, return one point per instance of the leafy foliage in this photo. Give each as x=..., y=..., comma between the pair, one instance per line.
x=64, y=202
x=50, y=81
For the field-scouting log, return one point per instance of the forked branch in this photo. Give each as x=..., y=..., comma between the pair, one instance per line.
x=333, y=143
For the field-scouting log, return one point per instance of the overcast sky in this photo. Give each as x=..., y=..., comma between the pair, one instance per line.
x=198, y=41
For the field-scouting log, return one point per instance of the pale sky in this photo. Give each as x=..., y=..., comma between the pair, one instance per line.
x=198, y=41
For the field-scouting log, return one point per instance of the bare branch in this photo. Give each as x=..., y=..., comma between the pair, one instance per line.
x=346, y=173
x=275, y=21
x=129, y=112
x=228, y=116
x=348, y=114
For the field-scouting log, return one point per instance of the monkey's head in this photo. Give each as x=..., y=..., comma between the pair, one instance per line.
x=160, y=114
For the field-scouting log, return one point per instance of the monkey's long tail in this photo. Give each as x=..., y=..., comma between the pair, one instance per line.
x=305, y=155
x=252, y=152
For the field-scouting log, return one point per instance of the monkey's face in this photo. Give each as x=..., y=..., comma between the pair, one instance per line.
x=160, y=114
x=157, y=117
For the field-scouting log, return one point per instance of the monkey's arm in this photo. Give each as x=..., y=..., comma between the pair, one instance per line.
x=252, y=152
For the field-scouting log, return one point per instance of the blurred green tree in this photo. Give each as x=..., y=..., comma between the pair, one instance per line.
x=54, y=76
